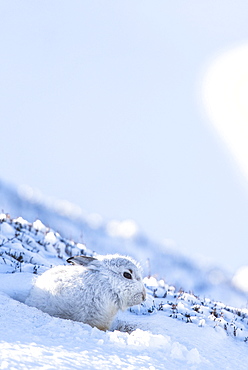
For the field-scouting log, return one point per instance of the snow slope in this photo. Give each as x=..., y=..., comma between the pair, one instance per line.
x=171, y=330
x=124, y=237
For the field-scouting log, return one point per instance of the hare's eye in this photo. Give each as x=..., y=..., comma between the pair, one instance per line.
x=127, y=275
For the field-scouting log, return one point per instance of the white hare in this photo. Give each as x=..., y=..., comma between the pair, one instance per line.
x=91, y=290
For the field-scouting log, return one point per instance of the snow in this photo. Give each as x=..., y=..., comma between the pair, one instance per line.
x=39, y=340
x=240, y=279
x=125, y=229
x=172, y=329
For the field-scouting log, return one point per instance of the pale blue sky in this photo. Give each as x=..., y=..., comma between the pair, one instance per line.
x=100, y=105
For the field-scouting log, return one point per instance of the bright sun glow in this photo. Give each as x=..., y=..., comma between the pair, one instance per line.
x=225, y=96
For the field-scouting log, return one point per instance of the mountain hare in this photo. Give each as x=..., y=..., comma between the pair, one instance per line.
x=91, y=290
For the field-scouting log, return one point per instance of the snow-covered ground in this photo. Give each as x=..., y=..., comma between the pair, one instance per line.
x=173, y=329
x=192, y=273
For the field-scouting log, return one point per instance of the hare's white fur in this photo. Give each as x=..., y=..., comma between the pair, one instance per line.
x=91, y=290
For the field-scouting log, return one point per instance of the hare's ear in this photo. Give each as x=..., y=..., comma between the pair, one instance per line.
x=89, y=262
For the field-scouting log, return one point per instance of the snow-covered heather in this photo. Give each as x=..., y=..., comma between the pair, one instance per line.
x=173, y=329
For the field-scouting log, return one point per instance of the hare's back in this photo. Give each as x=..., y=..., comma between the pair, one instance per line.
x=61, y=277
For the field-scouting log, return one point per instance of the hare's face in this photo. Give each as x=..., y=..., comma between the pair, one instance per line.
x=127, y=280
x=120, y=278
